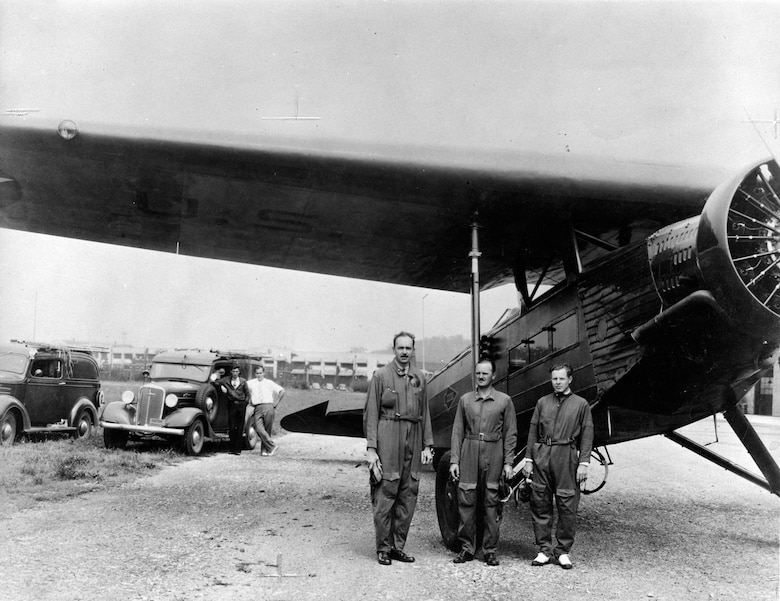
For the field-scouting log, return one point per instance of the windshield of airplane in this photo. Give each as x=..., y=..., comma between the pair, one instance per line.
x=180, y=371
x=13, y=366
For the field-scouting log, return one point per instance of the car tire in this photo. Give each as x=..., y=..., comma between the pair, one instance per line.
x=114, y=439
x=208, y=400
x=84, y=425
x=8, y=429
x=194, y=437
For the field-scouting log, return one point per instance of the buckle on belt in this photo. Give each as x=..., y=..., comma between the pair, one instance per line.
x=548, y=441
x=397, y=417
x=481, y=436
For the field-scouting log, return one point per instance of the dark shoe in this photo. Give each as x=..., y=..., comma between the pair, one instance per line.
x=235, y=452
x=401, y=556
x=463, y=557
x=490, y=559
x=383, y=557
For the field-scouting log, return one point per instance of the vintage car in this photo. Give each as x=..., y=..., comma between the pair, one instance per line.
x=179, y=402
x=47, y=388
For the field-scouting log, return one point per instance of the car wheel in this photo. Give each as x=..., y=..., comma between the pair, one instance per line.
x=193, y=438
x=8, y=428
x=251, y=435
x=83, y=425
x=114, y=439
x=208, y=400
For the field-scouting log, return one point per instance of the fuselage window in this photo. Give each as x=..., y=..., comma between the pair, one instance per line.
x=564, y=333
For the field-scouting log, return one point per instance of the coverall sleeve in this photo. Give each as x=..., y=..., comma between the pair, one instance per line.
x=371, y=412
x=509, y=432
x=586, y=440
x=457, y=434
x=532, y=432
x=427, y=429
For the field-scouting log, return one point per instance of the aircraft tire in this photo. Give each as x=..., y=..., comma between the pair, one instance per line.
x=447, y=504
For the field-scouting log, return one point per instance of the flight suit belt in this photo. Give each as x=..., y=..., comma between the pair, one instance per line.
x=402, y=418
x=551, y=443
x=485, y=437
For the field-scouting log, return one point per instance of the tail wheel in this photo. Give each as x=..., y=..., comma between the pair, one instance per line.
x=83, y=425
x=597, y=473
x=194, y=437
x=8, y=428
x=447, y=504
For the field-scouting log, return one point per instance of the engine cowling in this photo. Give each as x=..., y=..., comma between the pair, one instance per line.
x=732, y=250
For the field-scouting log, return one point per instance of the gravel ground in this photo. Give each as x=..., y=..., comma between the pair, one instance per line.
x=668, y=525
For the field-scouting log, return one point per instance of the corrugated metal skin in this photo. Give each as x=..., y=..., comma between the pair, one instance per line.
x=617, y=295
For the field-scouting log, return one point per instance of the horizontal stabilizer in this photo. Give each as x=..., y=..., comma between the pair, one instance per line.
x=317, y=420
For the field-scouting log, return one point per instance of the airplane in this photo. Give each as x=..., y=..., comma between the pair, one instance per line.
x=594, y=154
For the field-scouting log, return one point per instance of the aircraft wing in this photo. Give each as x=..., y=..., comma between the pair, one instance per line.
x=397, y=215
x=361, y=139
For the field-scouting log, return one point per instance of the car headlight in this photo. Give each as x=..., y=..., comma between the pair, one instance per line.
x=128, y=397
x=171, y=401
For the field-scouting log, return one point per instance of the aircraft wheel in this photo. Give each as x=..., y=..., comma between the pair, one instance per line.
x=114, y=439
x=83, y=425
x=208, y=400
x=447, y=504
x=8, y=427
x=597, y=473
x=193, y=438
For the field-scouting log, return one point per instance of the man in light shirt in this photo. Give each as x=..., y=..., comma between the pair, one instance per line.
x=265, y=395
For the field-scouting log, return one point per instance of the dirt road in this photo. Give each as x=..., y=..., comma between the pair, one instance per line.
x=668, y=525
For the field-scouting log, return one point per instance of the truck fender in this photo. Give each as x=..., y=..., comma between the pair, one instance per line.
x=82, y=403
x=118, y=413
x=7, y=402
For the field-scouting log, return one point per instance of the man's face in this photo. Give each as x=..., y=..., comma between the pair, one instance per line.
x=484, y=374
x=235, y=372
x=560, y=380
x=259, y=374
x=404, y=347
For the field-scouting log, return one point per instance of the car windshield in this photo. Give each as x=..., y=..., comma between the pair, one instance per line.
x=13, y=366
x=180, y=371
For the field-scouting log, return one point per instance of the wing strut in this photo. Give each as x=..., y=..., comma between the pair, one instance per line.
x=747, y=434
x=474, y=254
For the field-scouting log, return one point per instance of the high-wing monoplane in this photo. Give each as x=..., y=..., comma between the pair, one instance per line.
x=608, y=158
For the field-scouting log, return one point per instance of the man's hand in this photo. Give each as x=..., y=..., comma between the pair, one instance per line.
x=527, y=469
x=455, y=471
x=427, y=455
x=508, y=473
x=582, y=473
x=374, y=465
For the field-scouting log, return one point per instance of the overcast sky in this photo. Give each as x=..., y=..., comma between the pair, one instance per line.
x=59, y=289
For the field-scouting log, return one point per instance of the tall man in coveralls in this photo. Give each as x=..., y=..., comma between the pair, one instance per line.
x=399, y=438
x=560, y=440
x=484, y=435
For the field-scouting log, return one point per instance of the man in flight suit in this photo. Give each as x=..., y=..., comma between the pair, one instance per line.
x=484, y=436
x=398, y=439
x=560, y=440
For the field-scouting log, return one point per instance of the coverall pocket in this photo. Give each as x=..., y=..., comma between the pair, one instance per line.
x=564, y=493
x=389, y=398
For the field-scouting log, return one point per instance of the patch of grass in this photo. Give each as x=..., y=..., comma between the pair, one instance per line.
x=56, y=468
